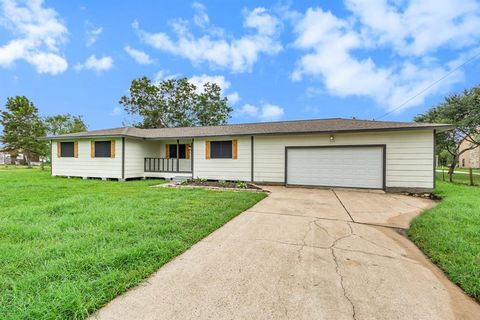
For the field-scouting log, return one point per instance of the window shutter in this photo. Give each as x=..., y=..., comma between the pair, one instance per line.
x=187, y=151
x=207, y=150
x=234, y=149
x=92, y=149
x=112, y=149
x=59, y=149
x=75, y=149
x=167, y=151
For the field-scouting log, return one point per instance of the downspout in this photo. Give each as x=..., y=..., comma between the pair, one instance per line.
x=123, y=158
x=252, y=159
x=178, y=155
x=191, y=156
x=51, y=157
x=434, y=159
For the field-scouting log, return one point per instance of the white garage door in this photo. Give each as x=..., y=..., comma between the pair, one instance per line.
x=356, y=167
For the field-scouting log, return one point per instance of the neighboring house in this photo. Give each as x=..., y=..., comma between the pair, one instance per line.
x=6, y=158
x=393, y=156
x=470, y=158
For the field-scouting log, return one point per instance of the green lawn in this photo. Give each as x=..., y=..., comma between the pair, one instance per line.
x=460, y=178
x=68, y=246
x=458, y=169
x=450, y=234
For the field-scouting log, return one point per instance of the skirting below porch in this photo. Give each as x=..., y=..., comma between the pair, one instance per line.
x=167, y=175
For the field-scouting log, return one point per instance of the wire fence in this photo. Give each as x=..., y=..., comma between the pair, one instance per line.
x=466, y=176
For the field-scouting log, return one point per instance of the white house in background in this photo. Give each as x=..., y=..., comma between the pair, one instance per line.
x=393, y=156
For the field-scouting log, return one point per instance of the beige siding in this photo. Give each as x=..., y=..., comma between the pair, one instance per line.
x=84, y=165
x=223, y=169
x=184, y=164
x=135, y=152
x=409, y=157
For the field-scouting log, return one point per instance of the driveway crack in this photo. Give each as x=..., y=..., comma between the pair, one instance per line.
x=337, y=270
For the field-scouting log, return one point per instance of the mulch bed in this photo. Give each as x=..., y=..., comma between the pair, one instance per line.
x=216, y=184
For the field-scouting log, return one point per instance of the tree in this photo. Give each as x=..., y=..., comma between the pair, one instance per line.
x=64, y=123
x=463, y=111
x=22, y=128
x=175, y=103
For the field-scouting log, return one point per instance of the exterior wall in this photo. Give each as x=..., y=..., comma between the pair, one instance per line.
x=409, y=155
x=223, y=169
x=135, y=152
x=84, y=165
x=184, y=164
x=471, y=158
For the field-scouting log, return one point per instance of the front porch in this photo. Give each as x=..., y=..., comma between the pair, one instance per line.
x=168, y=159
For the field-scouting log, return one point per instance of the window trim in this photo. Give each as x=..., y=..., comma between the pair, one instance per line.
x=94, y=149
x=60, y=150
x=221, y=141
x=173, y=147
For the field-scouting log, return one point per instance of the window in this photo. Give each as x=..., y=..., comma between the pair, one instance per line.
x=182, y=150
x=221, y=149
x=67, y=149
x=463, y=162
x=103, y=149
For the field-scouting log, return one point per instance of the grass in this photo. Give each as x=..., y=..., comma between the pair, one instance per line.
x=68, y=246
x=459, y=178
x=450, y=235
x=458, y=169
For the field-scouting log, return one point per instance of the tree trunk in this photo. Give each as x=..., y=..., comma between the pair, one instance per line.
x=26, y=156
x=470, y=173
x=451, y=169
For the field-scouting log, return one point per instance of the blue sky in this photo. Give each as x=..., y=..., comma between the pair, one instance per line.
x=274, y=60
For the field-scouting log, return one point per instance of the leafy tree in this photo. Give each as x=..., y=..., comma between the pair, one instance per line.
x=64, y=123
x=22, y=128
x=175, y=103
x=463, y=111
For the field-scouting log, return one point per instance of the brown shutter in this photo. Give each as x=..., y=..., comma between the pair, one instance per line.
x=167, y=151
x=234, y=149
x=207, y=150
x=75, y=149
x=59, y=148
x=187, y=151
x=92, y=149
x=112, y=149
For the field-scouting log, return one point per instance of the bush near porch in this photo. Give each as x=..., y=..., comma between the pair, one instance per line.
x=68, y=246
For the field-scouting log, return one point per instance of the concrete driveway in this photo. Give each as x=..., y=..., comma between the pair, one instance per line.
x=303, y=254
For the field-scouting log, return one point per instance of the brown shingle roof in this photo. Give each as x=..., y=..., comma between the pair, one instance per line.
x=262, y=128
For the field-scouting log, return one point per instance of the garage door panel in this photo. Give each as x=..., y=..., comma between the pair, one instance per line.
x=360, y=167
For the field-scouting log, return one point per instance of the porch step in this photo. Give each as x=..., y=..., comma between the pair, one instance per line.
x=179, y=179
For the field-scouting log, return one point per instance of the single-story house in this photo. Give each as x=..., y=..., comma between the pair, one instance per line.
x=393, y=156
x=470, y=158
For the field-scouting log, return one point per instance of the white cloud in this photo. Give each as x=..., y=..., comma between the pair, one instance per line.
x=248, y=110
x=96, y=64
x=233, y=97
x=200, y=80
x=419, y=27
x=164, y=75
x=220, y=51
x=339, y=53
x=268, y=112
x=92, y=34
x=200, y=18
x=138, y=55
x=116, y=111
x=38, y=36
x=271, y=112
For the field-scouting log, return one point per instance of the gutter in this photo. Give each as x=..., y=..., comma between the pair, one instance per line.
x=442, y=128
